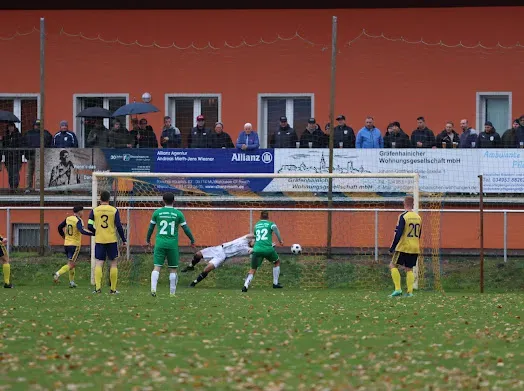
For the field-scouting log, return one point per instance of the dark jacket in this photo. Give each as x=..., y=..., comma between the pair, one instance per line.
x=425, y=136
x=98, y=138
x=13, y=139
x=344, y=134
x=467, y=137
x=147, y=138
x=400, y=139
x=489, y=140
x=65, y=139
x=520, y=135
x=220, y=140
x=509, y=139
x=444, y=137
x=317, y=137
x=174, y=136
x=121, y=138
x=32, y=139
x=199, y=138
x=284, y=137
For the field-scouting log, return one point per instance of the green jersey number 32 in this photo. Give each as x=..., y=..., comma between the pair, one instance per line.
x=164, y=228
x=261, y=234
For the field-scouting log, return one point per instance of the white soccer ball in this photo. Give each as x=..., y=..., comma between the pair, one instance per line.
x=146, y=97
x=296, y=249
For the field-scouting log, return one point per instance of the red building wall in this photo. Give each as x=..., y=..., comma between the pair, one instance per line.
x=390, y=80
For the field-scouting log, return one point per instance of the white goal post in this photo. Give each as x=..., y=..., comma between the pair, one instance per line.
x=97, y=175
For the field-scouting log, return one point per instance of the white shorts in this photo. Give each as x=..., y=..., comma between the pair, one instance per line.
x=216, y=255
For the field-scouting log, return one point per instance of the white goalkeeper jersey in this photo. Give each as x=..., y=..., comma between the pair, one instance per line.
x=237, y=248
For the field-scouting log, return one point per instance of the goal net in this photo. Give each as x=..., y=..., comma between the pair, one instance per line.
x=344, y=237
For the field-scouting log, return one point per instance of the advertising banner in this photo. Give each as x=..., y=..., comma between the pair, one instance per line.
x=214, y=161
x=503, y=170
x=441, y=170
x=69, y=169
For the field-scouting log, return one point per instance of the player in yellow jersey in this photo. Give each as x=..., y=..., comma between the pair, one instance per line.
x=104, y=221
x=71, y=229
x=6, y=267
x=406, y=247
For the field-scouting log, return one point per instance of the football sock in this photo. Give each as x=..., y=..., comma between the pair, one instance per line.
x=6, y=268
x=200, y=277
x=395, y=275
x=276, y=273
x=63, y=269
x=98, y=277
x=154, y=280
x=248, y=280
x=113, y=275
x=173, y=279
x=195, y=260
x=410, y=279
x=72, y=275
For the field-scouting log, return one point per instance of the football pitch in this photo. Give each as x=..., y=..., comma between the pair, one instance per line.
x=291, y=339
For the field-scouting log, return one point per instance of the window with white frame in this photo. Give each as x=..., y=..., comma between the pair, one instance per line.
x=24, y=106
x=184, y=108
x=495, y=107
x=298, y=108
x=111, y=102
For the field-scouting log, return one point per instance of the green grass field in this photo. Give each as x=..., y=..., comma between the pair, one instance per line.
x=214, y=338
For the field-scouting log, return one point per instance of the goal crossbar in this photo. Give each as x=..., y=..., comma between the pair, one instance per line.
x=414, y=176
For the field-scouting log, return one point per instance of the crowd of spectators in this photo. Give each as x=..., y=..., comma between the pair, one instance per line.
x=142, y=135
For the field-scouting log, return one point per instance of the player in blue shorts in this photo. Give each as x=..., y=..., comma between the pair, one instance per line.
x=104, y=221
x=71, y=229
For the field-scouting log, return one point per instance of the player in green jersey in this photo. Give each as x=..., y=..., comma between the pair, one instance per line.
x=168, y=219
x=263, y=249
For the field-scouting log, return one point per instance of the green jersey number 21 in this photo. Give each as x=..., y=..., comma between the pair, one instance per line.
x=261, y=234
x=164, y=226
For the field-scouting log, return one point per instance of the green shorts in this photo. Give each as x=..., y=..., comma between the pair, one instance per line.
x=160, y=254
x=258, y=257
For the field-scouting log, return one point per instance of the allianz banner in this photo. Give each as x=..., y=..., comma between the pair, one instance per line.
x=196, y=161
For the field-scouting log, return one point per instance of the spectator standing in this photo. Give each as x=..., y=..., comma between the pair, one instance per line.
x=200, y=135
x=98, y=136
x=64, y=138
x=489, y=138
x=468, y=137
x=520, y=132
x=31, y=140
x=13, y=160
x=219, y=138
x=369, y=136
x=509, y=138
x=343, y=134
x=313, y=137
x=146, y=137
x=171, y=136
x=134, y=124
x=248, y=139
x=422, y=136
x=395, y=137
x=448, y=138
x=284, y=137
x=120, y=137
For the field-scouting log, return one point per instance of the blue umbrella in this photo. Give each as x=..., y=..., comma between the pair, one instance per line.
x=135, y=108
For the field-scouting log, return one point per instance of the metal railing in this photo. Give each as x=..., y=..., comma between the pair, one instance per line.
x=251, y=211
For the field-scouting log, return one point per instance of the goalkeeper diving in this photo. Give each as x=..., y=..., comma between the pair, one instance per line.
x=217, y=255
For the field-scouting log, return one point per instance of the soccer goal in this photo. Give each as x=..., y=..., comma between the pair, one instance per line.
x=343, y=222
